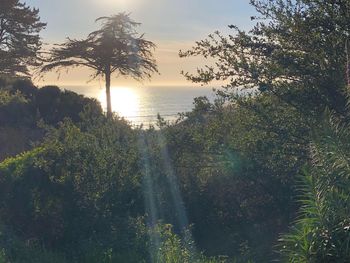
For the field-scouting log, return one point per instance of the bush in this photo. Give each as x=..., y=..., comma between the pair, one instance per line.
x=322, y=233
x=173, y=249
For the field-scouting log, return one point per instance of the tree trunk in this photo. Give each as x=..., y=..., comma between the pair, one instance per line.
x=108, y=92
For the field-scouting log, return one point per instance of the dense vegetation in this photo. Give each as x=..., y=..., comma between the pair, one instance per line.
x=256, y=176
x=25, y=110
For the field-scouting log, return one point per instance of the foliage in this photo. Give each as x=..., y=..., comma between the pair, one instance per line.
x=296, y=51
x=174, y=250
x=78, y=190
x=23, y=104
x=236, y=169
x=19, y=37
x=294, y=63
x=24, y=108
x=321, y=234
x=6, y=98
x=3, y=256
x=15, y=109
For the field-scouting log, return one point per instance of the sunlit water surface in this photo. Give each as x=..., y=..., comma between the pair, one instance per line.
x=142, y=104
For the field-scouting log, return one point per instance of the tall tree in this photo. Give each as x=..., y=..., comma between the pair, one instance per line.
x=114, y=48
x=19, y=37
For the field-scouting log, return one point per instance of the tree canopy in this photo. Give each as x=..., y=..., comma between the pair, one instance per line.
x=19, y=37
x=297, y=51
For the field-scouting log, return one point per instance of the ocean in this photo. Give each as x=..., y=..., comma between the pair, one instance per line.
x=140, y=105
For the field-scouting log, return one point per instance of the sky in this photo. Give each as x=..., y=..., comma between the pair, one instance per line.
x=171, y=24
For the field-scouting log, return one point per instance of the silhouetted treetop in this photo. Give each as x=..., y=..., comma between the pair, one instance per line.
x=115, y=48
x=19, y=37
x=116, y=44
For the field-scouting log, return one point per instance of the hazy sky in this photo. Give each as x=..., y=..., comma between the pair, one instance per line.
x=171, y=24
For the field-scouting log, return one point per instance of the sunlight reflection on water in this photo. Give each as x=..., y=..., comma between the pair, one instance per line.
x=142, y=104
x=125, y=101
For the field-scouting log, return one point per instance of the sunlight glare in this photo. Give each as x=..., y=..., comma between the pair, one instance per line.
x=118, y=3
x=125, y=101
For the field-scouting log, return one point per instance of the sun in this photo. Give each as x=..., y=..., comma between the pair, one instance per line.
x=118, y=3
x=125, y=101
